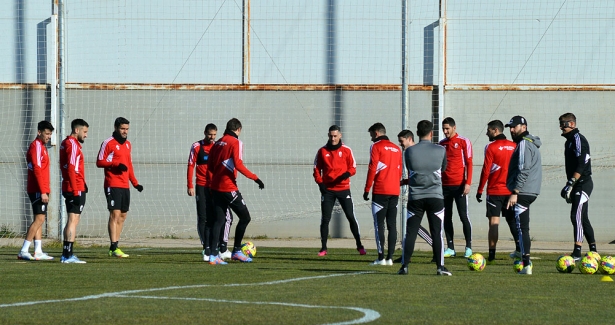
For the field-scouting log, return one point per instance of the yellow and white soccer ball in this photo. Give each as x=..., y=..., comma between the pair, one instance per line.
x=248, y=249
x=607, y=265
x=476, y=262
x=565, y=264
x=588, y=265
x=595, y=255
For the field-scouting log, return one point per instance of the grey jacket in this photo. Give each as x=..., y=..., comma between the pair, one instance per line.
x=425, y=162
x=525, y=169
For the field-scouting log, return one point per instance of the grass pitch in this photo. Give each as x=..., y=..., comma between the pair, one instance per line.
x=292, y=286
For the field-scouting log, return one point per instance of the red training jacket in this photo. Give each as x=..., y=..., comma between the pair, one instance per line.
x=458, y=161
x=384, y=170
x=111, y=154
x=331, y=164
x=495, y=166
x=225, y=159
x=72, y=166
x=37, y=159
x=201, y=170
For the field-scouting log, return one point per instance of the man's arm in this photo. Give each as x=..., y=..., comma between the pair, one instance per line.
x=236, y=155
x=41, y=175
x=582, y=155
x=71, y=169
x=484, y=174
x=190, y=173
x=374, y=158
x=105, y=157
x=131, y=171
x=524, y=168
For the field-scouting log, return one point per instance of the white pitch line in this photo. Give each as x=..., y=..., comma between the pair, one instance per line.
x=112, y=294
x=369, y=315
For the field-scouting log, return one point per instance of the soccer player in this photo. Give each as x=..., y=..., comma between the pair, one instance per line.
x=579, y=185
x=333, y=166
x=524, y=180
x=456, y=180
x=115, y=157
x=383, y=172
x=425, y=162
x=38, y=191
x=225, y=159
x=406, y=140
x=495, y=169
x=74, y=187
x=199, y=154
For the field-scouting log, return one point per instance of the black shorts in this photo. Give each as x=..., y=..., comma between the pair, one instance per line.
x=496, y=205
x=74, y=204
x=118, y=199
x=38, y=207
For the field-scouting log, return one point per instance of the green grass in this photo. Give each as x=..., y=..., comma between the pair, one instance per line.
x=292, y=286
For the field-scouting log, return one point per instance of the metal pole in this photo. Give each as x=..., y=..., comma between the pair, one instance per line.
x=245, y=36
x=61, y=107
x=442, y=59
x=404, y=107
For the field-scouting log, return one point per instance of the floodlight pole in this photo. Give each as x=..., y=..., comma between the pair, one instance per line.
x=404, y=108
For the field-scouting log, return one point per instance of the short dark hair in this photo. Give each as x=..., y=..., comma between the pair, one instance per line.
x=448, y=120
x=45, y=125
x=210, y=127
x=335, y=128
x=233, y=124
x=423, y=128
x=78, y=123
x=496, y=125
x=406, y=134
x=119, y=121
x=568, y=117
x=377, y=127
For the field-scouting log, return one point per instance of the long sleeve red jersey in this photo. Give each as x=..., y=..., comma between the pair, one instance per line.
x=37, y=159
x=330, y=163
x=459, y=161
x=111, y=154
x=384, y=170
x=201, y=166
x=225, y=159
x=72, y=166
x=495, y=166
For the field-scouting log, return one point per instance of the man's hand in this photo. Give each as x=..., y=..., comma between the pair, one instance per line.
x=466, y=190
x=44, y=198
x=479, y=197
x=139, y=187
x=366, y=196
x=86, y=187
x=322, y=188
x=123, y=168
x=191, y=191
x=512, y=200
x=342, y=177
x=260, y=183
x=567, y=190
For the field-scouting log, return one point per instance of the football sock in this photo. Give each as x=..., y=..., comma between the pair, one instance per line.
x=491, y=254
x=223, y=247
x=113, y=246
x=526, y=260
x=236, y=249
x=26, y=246
x=66, y=250
x=38, y=246
x=577, y=251
x=592, y=247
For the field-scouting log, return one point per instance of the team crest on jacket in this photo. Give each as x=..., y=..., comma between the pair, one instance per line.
x=117, y=147
x=340, y=154
x=456, y=145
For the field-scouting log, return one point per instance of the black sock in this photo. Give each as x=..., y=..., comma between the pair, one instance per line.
x=66, y=249
x=236, y=249
x=223, y=247
x=526, y=260
x=380, y=257
x=113, y=246
x=577, y=251
x=491, y=254
x=592, y=247
x=450, y=244
x=207, y=251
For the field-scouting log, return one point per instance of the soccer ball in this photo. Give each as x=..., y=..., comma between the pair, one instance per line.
x=588, y=265
x=248, y=249
x=476, y=262
x=595, y=255
x=565, y=264
x=518, y=265
x=607, y=265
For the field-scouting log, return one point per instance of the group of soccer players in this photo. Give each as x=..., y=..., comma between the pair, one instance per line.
x=438, y=175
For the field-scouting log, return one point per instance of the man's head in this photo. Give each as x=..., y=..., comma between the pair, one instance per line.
x=494, y=128
x=335, y=134
x=121, y=126
x=406, y=139
x=517, y=125
x=567, y=122
x=376, y=130
x=424, y=129
x=448, y=127
x=234, y=125
x=211, y=130
x=44, y=131
x=79, y=129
